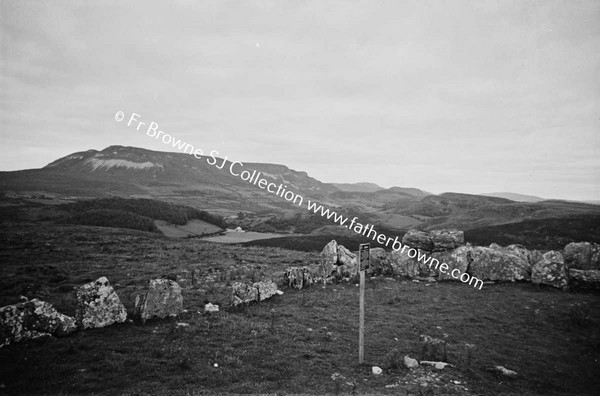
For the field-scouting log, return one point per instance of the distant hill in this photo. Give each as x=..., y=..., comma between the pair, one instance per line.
x=357, y=187
x=182, y=179
x=515, y=197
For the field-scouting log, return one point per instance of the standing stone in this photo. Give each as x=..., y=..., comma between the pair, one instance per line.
x=551, y=270
x=161, y=298
x=329, y=258
x=298, y=277
x=266, y=289
x=443, y=240
x=32, y=319
x=98, y=305
x=242, y=293
x=418, y=240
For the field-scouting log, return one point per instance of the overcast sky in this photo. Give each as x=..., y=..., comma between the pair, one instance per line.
x=464, y=96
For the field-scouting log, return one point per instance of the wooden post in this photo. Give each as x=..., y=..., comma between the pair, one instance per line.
x=363, y=264
x=361, y=323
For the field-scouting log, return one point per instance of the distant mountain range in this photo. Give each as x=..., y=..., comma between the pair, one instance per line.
x=132, y=172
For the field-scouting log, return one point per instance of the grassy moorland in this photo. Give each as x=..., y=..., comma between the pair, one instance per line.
x=292, y=343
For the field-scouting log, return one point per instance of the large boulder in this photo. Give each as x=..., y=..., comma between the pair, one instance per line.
x=329, y=258
x=458, y=259
x=498, y=265
x=346, y=263
x=380, y=262
x=521, y=251
x=582, y=256
x=242, y=293
x=32, y=319
x=418, y=240
x=298, y=277
x=551, y=270
x=98, y=305
x=443, y=240
x=403, y=265
x=585, y=279
x=266, y=289
x=161, y=298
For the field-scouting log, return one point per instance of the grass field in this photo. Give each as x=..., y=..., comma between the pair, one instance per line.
x=292, y=343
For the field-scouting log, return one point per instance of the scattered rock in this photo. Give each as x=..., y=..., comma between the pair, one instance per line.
x=437, y=365
x=32, y=319
x=266, y=289
x=433, y=348
x=162, y=298
x=376, y=370
x=410, y=362
x=504, y=371
x=98, y=305
x=298, y=277
x=551, y=270
x=279, y=293
x=210, y=307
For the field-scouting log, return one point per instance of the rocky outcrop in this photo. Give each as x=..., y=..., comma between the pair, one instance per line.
x=98, y=305
x=496, y=264
x=298, y=277
x=162, y=298
x=32, y=319
x=582, y=256
x=551, y=270
x=585, y=279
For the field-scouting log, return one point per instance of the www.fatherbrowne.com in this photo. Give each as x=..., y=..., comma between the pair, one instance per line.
x=281, y=190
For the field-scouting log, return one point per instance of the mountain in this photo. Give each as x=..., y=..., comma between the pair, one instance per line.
x=173, y=177
x=515, y=197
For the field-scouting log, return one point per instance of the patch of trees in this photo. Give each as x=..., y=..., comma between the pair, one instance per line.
x=157, y=210
x=113, y=218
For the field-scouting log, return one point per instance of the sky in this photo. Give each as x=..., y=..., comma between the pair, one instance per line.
x=462, y=96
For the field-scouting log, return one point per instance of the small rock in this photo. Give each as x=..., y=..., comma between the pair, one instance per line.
x=279, y=292
x=410, y=362
x=504, y=371
x=376, y=370
x=210, y=307
x=437, y=365
x=181, y=324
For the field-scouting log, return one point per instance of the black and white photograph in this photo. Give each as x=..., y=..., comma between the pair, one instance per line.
x=300, y=197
